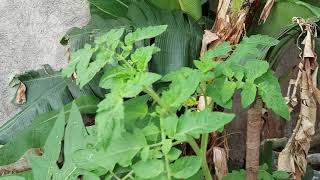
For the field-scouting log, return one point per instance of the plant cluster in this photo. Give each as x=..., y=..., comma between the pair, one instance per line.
x=137, y=129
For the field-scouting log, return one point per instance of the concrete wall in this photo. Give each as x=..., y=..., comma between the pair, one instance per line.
x=30, y=31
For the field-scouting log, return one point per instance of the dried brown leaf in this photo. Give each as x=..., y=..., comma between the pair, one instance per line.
x=21, y=94
x=266, y=11
x=220, y=162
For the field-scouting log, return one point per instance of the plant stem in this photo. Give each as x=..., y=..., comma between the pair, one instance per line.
x=153, y=94
x=201, y=153
x=127, y=176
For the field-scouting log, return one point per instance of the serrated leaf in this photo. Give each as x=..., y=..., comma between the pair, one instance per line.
x=184, y=83
x=221, y=91
x=236, y=175
x=196, y=123
x=264, y=175
x=270, y=92
x=142, y=56
x=185, y=167
x=144, y=33
x=248, y=94
x=170, y=125
x=280, y=175
x=255, y=69
x=174, y=154
x=109, y=118
x=141, y=80
x=120, y=151
x=148, y=169
x=206, y=64
x=221, y=51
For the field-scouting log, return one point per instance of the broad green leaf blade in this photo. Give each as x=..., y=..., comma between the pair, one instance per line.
x=148, y=169
x=196, y=123
x=120, y=150
x=12, y=177
x=74, y=139
x=280, y=175
x=170, y=125
x=270, y=92
x=45, y=166
x=185, y=167
x=110, y=8
x=222, y=91
x=191, y=7
x=109, y=119
x=248, y=94
x=35, y=135
x=180, y=44
x=144, y=33
x=151, y=132
x=236, y=175
x=46, y=91
x=174, y=154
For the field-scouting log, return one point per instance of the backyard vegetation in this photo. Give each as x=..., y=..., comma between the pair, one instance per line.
x=149, y=90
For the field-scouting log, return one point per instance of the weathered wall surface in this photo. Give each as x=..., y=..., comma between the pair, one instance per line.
x=30, y=31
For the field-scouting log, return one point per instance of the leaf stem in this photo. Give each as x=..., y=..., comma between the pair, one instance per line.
x=127, y=176
x=153, y=94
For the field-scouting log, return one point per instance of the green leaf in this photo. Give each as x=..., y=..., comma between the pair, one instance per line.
x=151, y=132
x=82, y=56
x=174, y=154
x=206, y=64
x=185, y=167
x=141, y=80
x=148, y=169
x=45, y=166
x=221, y=51
x=46, y=91
x=280, y=175
x=170, y=125
x=180, y=44
x=144, y=154
x=74, y=140
x=12, y=177
x=196, y=123
x=120, y=150
x=109, y=118
x=110, y=8
x=144, y=33
x=248, y=94
x=35, y=135
x=264, y=175
x=184, y=83
x=135, y=108
x=142, y=56
x=255, y=69
x=260, y=40
x=270, y=92
x=166, y=146
x=236, y=175
x=222, y=91
x=191, y=7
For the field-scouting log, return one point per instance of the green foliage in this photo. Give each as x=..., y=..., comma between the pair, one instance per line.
x=35, y=135
x=133, y=137
x=243, y=70
x=263, y=174
x=46, y=91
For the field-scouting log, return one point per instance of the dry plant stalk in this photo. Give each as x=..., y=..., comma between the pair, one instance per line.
x=220, y=162
x=293, y=158
x=266, y=11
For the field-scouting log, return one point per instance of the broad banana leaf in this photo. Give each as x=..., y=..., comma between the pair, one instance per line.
x=46, y=91
x=282, y=13
x=191, y=7
x=179, y=45
x=35, y=135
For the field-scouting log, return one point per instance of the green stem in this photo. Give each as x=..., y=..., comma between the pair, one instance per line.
x=201, y=153
x=153, y=94
x=205, y=168
x=127, y=176
x=163, y=137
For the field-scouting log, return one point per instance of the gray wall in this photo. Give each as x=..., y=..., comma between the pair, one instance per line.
x=30, y=31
